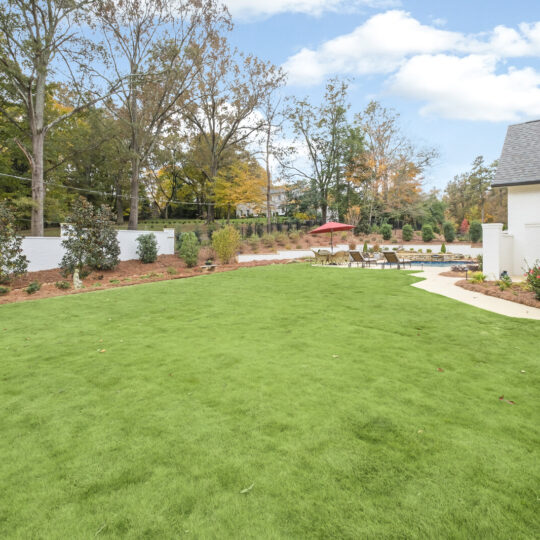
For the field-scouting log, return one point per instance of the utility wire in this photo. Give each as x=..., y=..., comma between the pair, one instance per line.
x=103, y=193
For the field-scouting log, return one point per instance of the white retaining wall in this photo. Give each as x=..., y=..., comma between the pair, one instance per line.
x=302, y=253
x=45, y=253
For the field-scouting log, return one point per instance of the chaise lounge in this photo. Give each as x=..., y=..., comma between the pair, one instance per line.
x=391, y=258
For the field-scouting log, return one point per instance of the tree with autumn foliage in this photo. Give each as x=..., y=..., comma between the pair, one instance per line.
x=241, y=183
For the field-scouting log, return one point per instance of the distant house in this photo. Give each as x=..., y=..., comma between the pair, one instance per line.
x=519, y=172
x=278, y=203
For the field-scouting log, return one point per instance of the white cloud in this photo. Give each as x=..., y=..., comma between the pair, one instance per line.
x=457, y=75
x=377, y=46
x=252, y=9
x=469, y=87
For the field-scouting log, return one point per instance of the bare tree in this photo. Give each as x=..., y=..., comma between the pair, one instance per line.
x=163, y=43
x=386, y=150
x=230, y=89
x=37, y=38
x=323, y=130
x=273, y=123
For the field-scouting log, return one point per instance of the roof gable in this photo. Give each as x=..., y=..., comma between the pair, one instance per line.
x=520, y=159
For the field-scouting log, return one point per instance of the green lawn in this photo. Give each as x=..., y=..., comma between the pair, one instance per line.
x=318, y=387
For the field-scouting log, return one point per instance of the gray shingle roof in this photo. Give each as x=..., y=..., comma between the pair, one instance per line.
x=520, y=159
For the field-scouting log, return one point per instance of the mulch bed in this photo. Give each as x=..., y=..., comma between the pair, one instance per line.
x=133, y=272
x=453, y=274
x=514, y=293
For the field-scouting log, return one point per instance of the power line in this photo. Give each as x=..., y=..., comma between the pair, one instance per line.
x=104, y=193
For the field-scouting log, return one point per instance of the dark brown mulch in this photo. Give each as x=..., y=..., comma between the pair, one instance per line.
x=515, y=293
x=134, y=272
x=453, y=274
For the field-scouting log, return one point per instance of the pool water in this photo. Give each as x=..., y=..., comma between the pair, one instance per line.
x=441, y=263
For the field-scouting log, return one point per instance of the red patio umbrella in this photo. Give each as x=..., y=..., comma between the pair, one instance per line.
x=331, y=227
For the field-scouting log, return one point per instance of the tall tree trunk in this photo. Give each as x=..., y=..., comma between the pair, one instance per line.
x=134, y=195
x=36, y=159
x=268, y=183
x=38, y=188
x=324, y=211
x=119, y=204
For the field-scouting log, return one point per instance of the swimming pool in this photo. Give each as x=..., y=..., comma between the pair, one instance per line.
x=441, y=263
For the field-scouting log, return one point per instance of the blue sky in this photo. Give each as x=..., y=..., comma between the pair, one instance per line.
x=458, y=71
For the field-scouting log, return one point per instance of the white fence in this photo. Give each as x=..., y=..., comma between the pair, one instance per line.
x=45, y=253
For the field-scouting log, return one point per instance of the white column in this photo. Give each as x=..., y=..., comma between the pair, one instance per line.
x=491, y=243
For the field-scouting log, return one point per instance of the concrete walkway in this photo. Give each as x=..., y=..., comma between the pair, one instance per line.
x=435, y=283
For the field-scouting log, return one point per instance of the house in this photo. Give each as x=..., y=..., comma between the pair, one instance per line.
x=278, y=203
x=519, y=171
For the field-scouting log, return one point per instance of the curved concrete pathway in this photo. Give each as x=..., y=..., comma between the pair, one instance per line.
x=435, y=283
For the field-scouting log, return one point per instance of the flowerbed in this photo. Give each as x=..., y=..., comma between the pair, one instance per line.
x=514, y=293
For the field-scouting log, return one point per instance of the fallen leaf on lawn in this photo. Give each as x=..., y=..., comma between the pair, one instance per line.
x=248, y=489
x=335, y=356
x=440, y=369
x=511, y=402
x=523, y=371
x=102, y=350
x=501, y=398
x=420, y=431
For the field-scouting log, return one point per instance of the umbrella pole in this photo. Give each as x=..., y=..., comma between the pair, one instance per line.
x=332, y=242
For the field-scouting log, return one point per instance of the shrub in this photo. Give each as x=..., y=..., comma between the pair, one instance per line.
x=464, y=227
x=281, y=238
x=294, y=236
x=427, y=233
x=505, y=282
x=365, y=248
x=62, y=284
x=533, y=279
x=268, y=241
x=259, y=229
x=171, y=270
x=147, y=249
x=480, y=261
x=386, y=231
x=189, y=250
x=407, y=233
x=449, y=231
x=4, y=290
x=249, y=230
x=429, y=250
x=254, y=243
x=225, y=243
x=91, y=239
x=375, y=229
x=443, y=248
x=475, y=231
x=478, y=277
x=12, y=261
x=352, y=246
x=33, y=287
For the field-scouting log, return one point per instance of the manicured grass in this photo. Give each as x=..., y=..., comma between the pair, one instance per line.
x=316, y=387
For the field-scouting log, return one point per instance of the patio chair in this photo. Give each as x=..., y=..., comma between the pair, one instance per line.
x=340, y=257
x=321, y=256
x=360, y=258
x=391, y=258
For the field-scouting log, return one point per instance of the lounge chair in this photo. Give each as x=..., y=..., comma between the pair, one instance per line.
x=391, y=258
x=360, y=258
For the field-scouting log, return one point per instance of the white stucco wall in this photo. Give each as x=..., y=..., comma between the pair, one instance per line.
x=524, y=224
x=45, y=253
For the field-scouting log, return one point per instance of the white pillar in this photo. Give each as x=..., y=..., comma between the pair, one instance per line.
x=491, y=244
